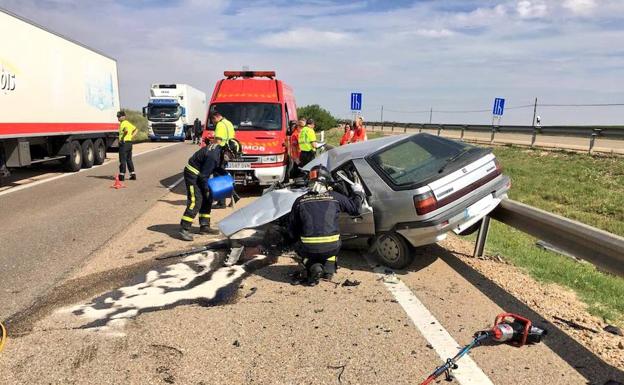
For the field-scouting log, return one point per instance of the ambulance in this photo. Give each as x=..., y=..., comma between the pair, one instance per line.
x=262, y=109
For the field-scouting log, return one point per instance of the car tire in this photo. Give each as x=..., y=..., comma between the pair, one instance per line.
x=393, y=251
x=100, y=151
x=73, y=161
x=88, y=154
x=472, y=229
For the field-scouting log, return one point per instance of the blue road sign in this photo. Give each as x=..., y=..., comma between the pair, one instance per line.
x=356, y=101
x=499, y=106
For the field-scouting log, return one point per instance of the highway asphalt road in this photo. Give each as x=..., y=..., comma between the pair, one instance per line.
x=49, y=229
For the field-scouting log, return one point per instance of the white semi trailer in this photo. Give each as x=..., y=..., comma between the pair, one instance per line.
x=172, y=110
x=58, y=98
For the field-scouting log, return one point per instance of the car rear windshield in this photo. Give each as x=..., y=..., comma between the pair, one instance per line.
x=419, y=158
x=251, y=116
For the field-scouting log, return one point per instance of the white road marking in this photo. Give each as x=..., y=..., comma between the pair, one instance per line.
x=177, y=182
x=33, y=184
x=468, y=373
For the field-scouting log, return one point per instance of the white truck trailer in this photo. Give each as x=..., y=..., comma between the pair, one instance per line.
x=58, y=98
x=172, y=110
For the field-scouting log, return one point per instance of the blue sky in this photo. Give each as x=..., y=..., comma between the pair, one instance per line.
x=408, y=56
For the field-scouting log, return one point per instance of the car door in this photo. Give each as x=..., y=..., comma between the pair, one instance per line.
x=362, y=224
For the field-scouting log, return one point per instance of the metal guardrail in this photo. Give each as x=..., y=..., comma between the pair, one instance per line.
x=589, y=132
x=601, y=248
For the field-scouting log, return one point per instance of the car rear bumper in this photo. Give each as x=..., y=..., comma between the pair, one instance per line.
x=457, y=219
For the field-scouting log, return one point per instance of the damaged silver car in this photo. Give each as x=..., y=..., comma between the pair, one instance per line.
x=419, y=187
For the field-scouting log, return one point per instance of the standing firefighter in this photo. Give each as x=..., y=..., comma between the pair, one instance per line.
x=307, y=143
x=313, y=225
x=223, y=133
x=205, y=162
x=127, y=132
x=224, y=129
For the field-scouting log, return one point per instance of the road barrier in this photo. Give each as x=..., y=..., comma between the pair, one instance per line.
x=601, y=248
x=590, y=133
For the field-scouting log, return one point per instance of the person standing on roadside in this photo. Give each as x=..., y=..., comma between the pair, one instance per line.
x=197, y=131
x=348, y=133
x=224, y=129
x=295, y=150
x=359, y=132
x=127, y=133
x=307, y=143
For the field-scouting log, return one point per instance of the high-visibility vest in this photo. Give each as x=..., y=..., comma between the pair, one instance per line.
x=224, y=130
x=129, y=127
x=306, y=137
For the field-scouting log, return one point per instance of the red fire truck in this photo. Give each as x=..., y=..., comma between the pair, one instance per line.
x=261, y=109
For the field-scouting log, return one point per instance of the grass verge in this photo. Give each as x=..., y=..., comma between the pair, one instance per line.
x=581, y=187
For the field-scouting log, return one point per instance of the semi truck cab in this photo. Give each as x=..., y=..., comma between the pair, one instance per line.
x=172, y=109
x=260, y=107
x=164, y=116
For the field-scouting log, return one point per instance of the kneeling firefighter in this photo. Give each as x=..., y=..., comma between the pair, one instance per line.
x=209, y=160
x=313, y=224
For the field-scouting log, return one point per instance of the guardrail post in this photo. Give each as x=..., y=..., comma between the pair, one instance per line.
x=482, y=237
x=592, y=139
x=420, y=129
x=439, y=129
x=392, y=128
x=493, y=132
x=462, y=133
x=405, y=128
x=534, y=137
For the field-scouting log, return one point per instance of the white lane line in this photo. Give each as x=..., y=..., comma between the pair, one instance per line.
x=177, y=182
x=468, y=373
x=33, y=184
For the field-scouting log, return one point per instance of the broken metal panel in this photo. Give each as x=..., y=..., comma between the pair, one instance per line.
x=265, y=209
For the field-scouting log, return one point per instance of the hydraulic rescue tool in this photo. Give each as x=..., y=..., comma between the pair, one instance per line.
x=508, y=328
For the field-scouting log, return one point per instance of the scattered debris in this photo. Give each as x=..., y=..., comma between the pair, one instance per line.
x=236, y=343
x=342, y=369
x=348, y=282
x=613, y=330
x=318, y=310
x=621, y=345
x=252, y=291
x=573, y=324
x=391, y=278
x=429, y=346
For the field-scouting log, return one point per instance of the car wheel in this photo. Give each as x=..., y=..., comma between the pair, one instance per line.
x=73, y=162
x=472, y=229
x=88, y=154
x=393, y=251
x=100, y=151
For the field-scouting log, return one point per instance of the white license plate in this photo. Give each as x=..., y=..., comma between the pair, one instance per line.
x=238, y=165
x=164, y=137
x=479, y=206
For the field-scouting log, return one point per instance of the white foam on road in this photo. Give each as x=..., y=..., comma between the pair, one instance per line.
x=467, y=373
x=42, y=181
x=181, y=283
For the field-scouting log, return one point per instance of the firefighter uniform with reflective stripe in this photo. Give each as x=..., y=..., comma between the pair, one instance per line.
x=200, y=166
x=307, y=137
x=314, y=223
x=224, y=129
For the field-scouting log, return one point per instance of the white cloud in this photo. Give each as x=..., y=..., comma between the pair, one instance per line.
x=580, y=6
x=304, y=38
x=531, y=9
x=435, y=33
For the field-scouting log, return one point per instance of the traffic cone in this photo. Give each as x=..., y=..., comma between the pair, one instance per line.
x=117, y=185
